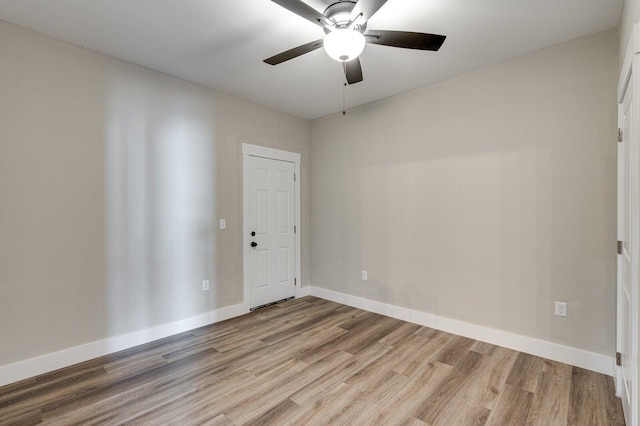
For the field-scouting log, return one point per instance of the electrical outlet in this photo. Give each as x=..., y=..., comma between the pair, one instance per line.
x=364, y=275
x=205, y=285
x=561, y=309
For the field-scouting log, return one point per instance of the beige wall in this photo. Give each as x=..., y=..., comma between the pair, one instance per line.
x=483, y=198
x=112, y=179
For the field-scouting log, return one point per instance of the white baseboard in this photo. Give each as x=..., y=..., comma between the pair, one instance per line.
x=568, y=355
x=49, y=362
x=303, y=291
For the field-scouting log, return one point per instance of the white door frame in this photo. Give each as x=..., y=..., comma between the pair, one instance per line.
x=630, y=74
x=249, y=150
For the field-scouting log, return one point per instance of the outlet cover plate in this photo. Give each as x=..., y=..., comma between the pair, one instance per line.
x=560, y=309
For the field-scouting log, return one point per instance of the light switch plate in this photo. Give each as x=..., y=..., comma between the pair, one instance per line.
x=223, y=224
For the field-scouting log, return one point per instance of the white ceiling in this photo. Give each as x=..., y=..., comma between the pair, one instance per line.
x=221, y=44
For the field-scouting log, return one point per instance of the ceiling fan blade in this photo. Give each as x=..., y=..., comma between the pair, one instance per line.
x=405, y=39
x=353, y=71
x=305, y=11
x=367, y=8
x=294, y=53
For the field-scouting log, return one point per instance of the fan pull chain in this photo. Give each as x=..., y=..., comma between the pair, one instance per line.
x=344, y=88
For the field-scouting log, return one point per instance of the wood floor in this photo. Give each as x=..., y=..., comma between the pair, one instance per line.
x=313, y=362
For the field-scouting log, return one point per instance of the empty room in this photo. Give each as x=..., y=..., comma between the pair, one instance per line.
x=319, y=212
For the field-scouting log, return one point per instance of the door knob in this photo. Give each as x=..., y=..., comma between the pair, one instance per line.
x=254, y=244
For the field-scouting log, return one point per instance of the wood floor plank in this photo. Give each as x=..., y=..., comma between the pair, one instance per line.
x=439, y=401
x=201, y=399
x=296, y=345
x=255, y=407
x=362, y=318
x=339, y=342
x=379, y=389
x=427, y=332
x=455, y=350
x=54, y=395
x=222, y=364
x=410, y=353
x=284, y=333
x=466, y=414
x=400, y=334
x=314, y=362
x=472, y=404
x=282, y=413
x=155, y=347
x=526, y=372
x=41, y=390
x=412, y=421
x=323, y=385
x=550, y=405
x=136, y=366
x=169, y=376
x=482, y=347
x=119, y=408
x=209, y=408
x=382, y=328
x=615, y=413
x=588, y=401
x=187, y=350
x=425, y=351
x=329, y=406
x=512, y=408
x=220, y=420
x=240, y=338
x=27, y=419
x=385, y=363
x=492, y=378
x=400, y=408
x=123, y=397
x=462, y=396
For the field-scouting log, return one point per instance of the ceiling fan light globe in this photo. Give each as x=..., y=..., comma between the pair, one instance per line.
x=343, y=44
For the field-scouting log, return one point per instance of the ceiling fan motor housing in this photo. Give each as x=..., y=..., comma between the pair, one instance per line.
x=340, y=14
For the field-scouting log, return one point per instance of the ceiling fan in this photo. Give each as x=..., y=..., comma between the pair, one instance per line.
x=345, y=25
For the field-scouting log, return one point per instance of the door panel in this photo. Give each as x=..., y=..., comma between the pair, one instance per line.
x=283, y=256
x=271, y=212
x=262, y=212
x=263, y=268
x=283, y=212
x=628, y=258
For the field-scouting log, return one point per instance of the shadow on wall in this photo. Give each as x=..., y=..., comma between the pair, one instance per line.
x=160, y=203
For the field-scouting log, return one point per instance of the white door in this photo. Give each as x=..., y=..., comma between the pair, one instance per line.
x=627, y=321
x=270, y=239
